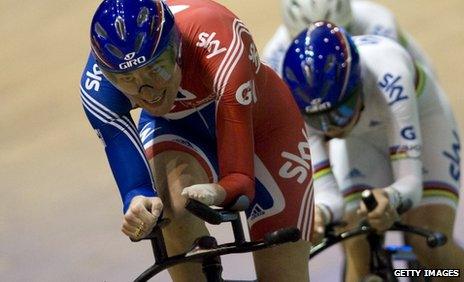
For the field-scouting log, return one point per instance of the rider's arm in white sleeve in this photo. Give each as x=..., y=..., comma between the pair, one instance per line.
x=395, y=74
x=327, y=195
x=275, y=49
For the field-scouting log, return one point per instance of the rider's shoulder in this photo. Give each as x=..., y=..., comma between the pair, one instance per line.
x=378, y=51
x=206, y=24
x=98, y=94
x=200, y=13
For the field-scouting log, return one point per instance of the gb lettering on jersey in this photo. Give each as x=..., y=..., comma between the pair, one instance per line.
x=246, y=93
x=298, y=166
x=208, y=42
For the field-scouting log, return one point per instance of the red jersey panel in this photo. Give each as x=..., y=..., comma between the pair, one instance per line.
x=220, y=64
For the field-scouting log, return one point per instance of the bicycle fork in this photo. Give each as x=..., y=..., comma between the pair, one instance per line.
x=380, y=264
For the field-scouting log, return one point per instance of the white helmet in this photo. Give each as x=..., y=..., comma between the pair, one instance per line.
x=298, y=14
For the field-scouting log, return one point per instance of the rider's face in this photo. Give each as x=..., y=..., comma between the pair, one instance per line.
x=339, y=121
x=344, y=131
x=152, y=87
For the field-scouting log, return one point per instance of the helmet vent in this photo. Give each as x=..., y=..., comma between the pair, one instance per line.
x=302, y=94
x=142, y=17
x=296, y=4
x=329, y=63
x=308, y=74
x=306, y=20
x=114, y=50
x=290, y=74
x=120, y=26
x=291, y=10
x=138, y=41
x=328, y=15
x=339, y=6
x=153, y=25
x=100, y=31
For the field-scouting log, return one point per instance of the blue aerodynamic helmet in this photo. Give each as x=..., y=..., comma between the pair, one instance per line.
x=129, y=34
x=322, y=69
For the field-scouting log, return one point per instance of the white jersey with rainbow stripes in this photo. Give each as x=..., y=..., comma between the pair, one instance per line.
x=405, y=138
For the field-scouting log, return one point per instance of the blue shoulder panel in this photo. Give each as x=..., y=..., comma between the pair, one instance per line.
x=108, y=112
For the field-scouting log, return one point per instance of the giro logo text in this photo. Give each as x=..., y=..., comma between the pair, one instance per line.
x=297, y=165
x=130, y=61
x=317, y=105
x=392, y=87
x=208, y=42
x=93, y=78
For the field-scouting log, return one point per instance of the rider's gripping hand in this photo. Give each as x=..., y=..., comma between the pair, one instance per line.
x=384, y=215
x=320, y=221
x=141, y=216
x=210, y=194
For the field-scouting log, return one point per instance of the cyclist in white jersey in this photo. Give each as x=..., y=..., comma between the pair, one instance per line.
x=359, y=17
x=391, y=130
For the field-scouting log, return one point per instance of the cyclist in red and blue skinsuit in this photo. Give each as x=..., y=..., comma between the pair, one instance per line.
x=231, y=119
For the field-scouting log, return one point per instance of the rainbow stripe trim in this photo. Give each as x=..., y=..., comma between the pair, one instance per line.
x=440, y=189
x=398, y=153
x=321, y=169
x=402, y=39
x=420, y=74
x=420, y=79
x=353, y=193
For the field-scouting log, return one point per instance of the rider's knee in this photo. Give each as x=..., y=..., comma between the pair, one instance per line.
x=271, y=265
x=173, y=172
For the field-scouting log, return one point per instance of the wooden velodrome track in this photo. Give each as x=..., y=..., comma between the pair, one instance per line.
x=60, y=211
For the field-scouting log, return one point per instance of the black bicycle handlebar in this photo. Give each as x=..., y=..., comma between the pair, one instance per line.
x=206, y=248
x=204, y=212
x=281, y=236
x=433, y=239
